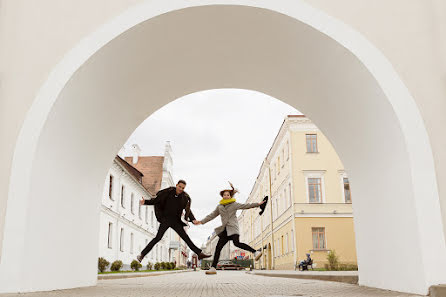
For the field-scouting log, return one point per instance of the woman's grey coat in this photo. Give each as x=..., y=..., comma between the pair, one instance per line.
x=228, y=214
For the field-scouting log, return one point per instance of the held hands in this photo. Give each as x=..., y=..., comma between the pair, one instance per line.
x=141, y=202
x=197, y=222
x=261, y=202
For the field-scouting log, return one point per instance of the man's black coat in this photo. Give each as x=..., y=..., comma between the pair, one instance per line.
x=160, y=202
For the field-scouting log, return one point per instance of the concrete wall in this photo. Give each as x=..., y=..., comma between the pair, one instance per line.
x=362, y=81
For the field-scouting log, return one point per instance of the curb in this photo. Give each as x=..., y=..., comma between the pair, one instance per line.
x=437, y=291
x=136, y=274
x=349, y=279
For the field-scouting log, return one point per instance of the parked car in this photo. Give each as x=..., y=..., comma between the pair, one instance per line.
x=228, y=265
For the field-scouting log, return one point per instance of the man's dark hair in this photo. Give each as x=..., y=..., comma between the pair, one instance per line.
x=182, y=181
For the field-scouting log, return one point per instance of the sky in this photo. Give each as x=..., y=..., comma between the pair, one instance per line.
x=216, y=136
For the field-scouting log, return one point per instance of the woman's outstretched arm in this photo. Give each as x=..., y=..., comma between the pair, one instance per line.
x=248, y=205
x=210, y=216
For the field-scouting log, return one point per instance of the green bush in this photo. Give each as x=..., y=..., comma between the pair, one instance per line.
x=102, y=264
x=333, y=260
x=348, y=267
x=135, y=265
x=164, y=265
x=157, y=266
x=116, y=265
x=149, y=266
x=172, y=265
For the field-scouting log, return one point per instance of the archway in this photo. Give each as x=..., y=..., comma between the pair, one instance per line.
x=335, y=77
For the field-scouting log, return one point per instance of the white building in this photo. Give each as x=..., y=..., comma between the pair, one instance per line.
x=157, y=175
x=125, y=226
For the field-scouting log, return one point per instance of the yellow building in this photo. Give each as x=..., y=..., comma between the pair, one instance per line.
x=310, y=208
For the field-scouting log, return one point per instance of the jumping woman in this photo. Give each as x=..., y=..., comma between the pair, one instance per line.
x=229, y=230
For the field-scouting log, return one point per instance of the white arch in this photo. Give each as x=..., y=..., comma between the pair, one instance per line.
x=410, y=121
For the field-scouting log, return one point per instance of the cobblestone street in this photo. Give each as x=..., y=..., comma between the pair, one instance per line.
x=226, y=283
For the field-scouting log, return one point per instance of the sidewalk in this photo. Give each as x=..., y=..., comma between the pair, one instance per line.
x=138, y=274
x=349, y=277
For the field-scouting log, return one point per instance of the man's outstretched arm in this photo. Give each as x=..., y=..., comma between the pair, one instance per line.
x=155, y=200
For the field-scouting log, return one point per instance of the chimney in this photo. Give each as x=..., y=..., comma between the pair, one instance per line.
x=136, y=151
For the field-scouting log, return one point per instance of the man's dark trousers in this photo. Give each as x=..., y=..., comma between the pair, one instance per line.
x=179, y=228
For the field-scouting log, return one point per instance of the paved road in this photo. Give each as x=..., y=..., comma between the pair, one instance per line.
x=226, y=283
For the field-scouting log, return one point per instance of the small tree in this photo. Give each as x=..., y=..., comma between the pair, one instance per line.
x=157, y=266
x=102, y=264
x=333, y=260
x=135, y=265
x=172, y=265
x=163, y=265
x=116, y=265
x=149, y=266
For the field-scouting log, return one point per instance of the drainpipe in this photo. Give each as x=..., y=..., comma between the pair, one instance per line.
x=273, y=261
x=292, y=202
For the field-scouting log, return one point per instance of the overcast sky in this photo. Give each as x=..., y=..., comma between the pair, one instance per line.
x=216, y=136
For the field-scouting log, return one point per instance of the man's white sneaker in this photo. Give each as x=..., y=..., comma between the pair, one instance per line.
x=211, y=270
x=257, y=255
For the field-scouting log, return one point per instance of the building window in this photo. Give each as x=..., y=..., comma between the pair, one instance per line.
x=292, y=241
x=318, y=238
x=277, y=208
x=278, y=165
x=282, y=246
x=314, y=190
x=110, y=233
x=311, y=143
x=122, y=196
x=287, y=150
x=147, y=215
x=139, y=210
x=289, y=195
x=132, y=204
x=279, y=205
x=347, y=193
x=286, y=201
x=131, y=243
x=283, y=157
x=151, y=219
x=110, y=188
x=121, y=240
x=287, y=243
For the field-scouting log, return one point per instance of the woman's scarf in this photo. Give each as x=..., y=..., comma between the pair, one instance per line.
x=227, y=201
